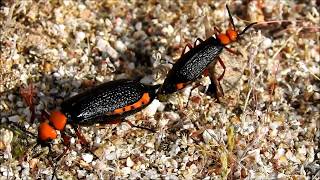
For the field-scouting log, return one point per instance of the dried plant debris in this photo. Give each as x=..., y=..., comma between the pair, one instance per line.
x=265, y=127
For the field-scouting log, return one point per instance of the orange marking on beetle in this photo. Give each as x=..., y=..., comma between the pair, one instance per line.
x=118, y=111
x=127, y=108
x=137, y=104
x=58, y=120
x=180, y=86
x=46, y=132
x=224, y=39
x=145, y=99
x=232, y=34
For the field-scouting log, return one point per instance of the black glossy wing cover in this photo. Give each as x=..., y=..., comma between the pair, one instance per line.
x=192, y=64
x=96, y=105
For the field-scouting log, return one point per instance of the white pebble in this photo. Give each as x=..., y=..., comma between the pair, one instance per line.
x=280, y=152
x=84, y=59
x=6, y=11
x=87, y=157
x=14, y=118
x=302, y=150
x=149, y=151
x=72, y=140
x=102, y=44
x=81, y=7
x=289, y=155
x=168, y=30
x=266, y=43
x=80, y=36
x=15, y=56
x=100, y=78
x=131, y=66
x=11, y=97
x=100, y=165
x=118, y=25
x=126, y=170
x=175, y=150
x=150, y=144
x=147, y=79
x=20, y=104
x=130, y=163
x=56, y=75
x=152, y=108
x=81, y=173
x=111, y=156
x=97, y=141
x=111, y=51
x=161, y=107
x=138, y=26
x=120, y=46
x=108, y=23
x=274, y=125
x=177, y=39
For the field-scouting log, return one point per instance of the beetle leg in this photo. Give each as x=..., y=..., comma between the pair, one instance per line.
x=214, y=88
x=57, y=159
x=185, y=48
x=197, y=40
x=217, y=30
x=141, y=127
x=224, y=69
x=82, y=139
x=66, y=138
x=118, y=121
x=232, y=51
x=206, y=72
x=195, y=86
x=114, y=121
x=28, y=94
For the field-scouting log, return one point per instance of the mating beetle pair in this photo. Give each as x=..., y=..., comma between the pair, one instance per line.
x=103, y=104
x=118, y=99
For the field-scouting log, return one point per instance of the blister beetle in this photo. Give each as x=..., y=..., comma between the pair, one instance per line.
x=100, y=105
x=193, y=63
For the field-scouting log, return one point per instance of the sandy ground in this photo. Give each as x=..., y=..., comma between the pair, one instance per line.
x=266, y=126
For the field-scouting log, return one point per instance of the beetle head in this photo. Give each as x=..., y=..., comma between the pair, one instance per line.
x=232, y=34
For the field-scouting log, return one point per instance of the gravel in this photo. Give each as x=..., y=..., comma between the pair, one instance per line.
x=266, y=126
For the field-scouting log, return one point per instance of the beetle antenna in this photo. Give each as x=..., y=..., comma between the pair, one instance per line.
x=245, y=29
x=230, y=17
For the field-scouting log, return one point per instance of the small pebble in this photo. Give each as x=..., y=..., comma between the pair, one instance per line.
x=138, y=26
x=111, y=156
x=81, y=173
x=120, y=46
x=130, y=163
x=152, y=108
x=266, y=43
x=80, y=37
x=14, y=118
